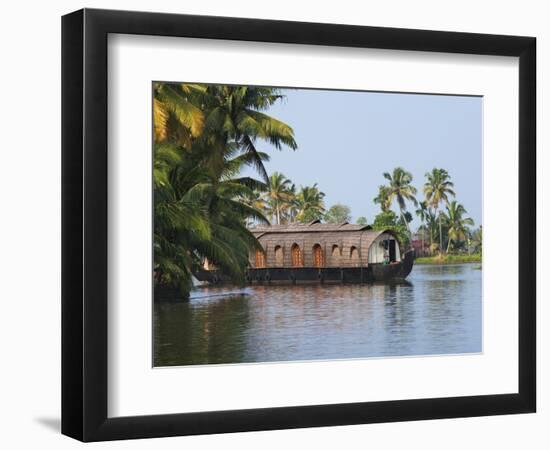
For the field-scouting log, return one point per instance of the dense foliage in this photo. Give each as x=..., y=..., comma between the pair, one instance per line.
x=203, y=136
x=339, y=213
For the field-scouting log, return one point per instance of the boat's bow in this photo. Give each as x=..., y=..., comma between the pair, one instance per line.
x=407, y=264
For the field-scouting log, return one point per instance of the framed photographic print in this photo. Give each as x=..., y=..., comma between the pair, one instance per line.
x=273, y=224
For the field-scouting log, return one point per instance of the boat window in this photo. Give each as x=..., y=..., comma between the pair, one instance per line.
x=279, y=256
x=260, y=258
x=297, y=257
x=354, y=255
x=318, y=257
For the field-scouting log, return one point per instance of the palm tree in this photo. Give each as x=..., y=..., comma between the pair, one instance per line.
x=175, y=118
x=400, y=188
x=422, y=213
x=235, y=120
x=437, y=189
x=197, y=217
x=178, y=220
x=456, y=223
x=310, y=204
x=432, y=225
x=255, y=199
x=291, y=210
x=203, y=136
x=383, y=198
x=278, y=195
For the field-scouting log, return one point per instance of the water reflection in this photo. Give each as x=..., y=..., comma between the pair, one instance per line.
x=438, y=311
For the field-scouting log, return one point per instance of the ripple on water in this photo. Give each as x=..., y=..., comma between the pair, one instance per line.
x=437, y=311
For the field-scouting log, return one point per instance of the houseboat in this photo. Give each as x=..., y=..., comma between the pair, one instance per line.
x=318, y=252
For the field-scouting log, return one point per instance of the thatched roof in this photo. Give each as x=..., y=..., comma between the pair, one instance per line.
x=311, y=227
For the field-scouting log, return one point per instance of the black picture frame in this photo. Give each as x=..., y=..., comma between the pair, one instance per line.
x=84, y=224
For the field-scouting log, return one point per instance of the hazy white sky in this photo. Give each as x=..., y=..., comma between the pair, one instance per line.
x=346, y=140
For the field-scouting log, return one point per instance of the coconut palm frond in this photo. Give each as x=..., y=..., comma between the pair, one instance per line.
x=177, y=103
x=204, y=136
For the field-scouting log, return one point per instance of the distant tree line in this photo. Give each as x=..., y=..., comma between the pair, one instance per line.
x=445, y=226
x=444, y=221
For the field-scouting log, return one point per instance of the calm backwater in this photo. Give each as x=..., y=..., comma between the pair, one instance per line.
x=437, y=311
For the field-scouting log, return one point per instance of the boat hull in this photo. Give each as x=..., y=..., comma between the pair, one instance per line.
x=282, y=275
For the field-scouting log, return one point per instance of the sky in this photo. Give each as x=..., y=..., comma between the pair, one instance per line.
x=347, y=140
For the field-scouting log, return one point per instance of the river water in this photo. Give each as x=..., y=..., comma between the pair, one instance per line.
x=438, y=310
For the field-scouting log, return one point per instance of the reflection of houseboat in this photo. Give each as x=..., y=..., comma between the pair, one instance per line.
x=319, y=252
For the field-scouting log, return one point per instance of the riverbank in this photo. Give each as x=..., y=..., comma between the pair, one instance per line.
x=449, y=259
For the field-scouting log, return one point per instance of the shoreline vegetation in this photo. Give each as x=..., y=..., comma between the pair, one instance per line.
x=205, y=135
x=449, y=259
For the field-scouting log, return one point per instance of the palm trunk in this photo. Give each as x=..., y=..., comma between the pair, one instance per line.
x=431, y=238
x=440, y=234
x=449, y=245
x=277, y=211
x=422, y=240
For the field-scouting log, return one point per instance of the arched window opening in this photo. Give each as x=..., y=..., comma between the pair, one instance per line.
x=354, y=255
x=297, y=257
x=318, y=257
x=335, y=255
x=279, y=256
x=260, y=258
